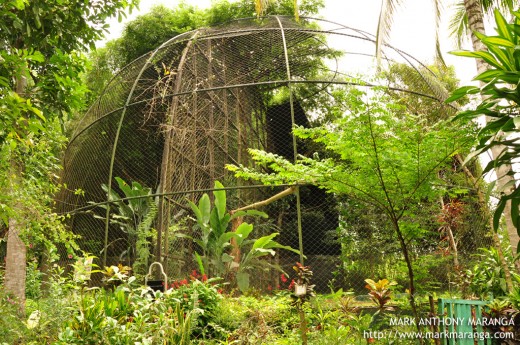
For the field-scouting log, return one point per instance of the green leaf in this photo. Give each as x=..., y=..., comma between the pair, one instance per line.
x=227, y=258
x=243, y=231
x=243, y=281
x=488, y=57
x=461, y=92
x=489, y=75
x=196, y=210
x=502, y=56
x=36, y=56
x=223, y=240
x=498, y=41
x=19, y=4
x=515, y=202
x=498, y=213
x=199, y=262
x=263, y=241
x=220, y=199
x=502, y=26
x=4, y=82
x=205, y=208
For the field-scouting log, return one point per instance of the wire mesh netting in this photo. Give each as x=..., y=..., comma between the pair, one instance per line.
x=165, y=127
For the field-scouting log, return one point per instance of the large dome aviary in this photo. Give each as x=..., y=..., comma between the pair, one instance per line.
x=166, y=125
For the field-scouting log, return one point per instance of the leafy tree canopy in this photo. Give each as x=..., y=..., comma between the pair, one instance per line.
x=40, y=84
x=380, y=155
x=40, y=42
x=150, y=30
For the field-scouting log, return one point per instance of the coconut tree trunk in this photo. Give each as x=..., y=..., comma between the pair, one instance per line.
x=476, y=24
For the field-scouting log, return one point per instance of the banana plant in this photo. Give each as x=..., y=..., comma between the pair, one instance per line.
x=215, y=240
x=134, y=214
x=257, y=249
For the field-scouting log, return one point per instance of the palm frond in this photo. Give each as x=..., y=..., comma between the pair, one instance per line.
x=261, y=7
x=458, y=25
x=504, y=6
x=296, y=11
x=386, y=16
x=437, y=4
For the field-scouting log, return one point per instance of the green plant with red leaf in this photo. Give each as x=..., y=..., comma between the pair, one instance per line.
x=302, y=292
x=380, y=292
x=303, y=280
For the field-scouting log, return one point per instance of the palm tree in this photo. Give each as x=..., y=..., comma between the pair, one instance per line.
x=467, y=20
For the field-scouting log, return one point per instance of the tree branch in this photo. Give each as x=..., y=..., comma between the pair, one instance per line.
x=268, y=201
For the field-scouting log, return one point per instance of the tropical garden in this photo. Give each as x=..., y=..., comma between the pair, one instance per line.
x=415, y=221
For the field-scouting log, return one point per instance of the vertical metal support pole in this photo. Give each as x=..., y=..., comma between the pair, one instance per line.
x=163, y=218
x=295, y=148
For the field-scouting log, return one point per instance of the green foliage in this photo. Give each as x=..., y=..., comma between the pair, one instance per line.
x=41, y=41
x=501, y=309
x=380, y=292
x=198, y=295
x=381, y=156
x=150, y=30
x=33, y=282
x=220, y=247
x=499, y=102
x=487, y=277
x=514, y=297
x=377, y=155
x=134, y=214
x=40, y=85
x=48, y=313
x=439, y=80
x=127, y=315
x=33, y=189
x=262, y=320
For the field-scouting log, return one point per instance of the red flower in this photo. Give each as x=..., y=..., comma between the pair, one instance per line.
x=69, y=256
x=204, y=277
x=291, y=285
x=269, y=287
x=183, y=282
x=283, y=278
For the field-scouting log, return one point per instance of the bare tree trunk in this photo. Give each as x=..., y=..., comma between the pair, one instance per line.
x=476, y=24
x=16, y=257
x=451, y=239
